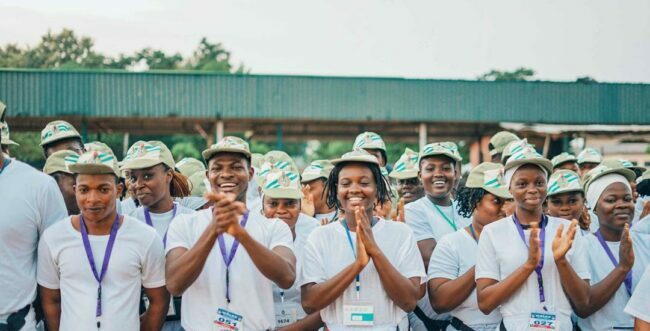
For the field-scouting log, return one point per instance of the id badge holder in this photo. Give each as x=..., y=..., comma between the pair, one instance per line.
x=285, y=313
x=543, y=321
x=358, y=314
x=227, y=320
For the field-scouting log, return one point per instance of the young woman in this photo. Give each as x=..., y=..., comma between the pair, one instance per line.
x=617, y=256
x=155, y=184
x=451, y=269
x=638, y=304
x=531, y=266
x=566, y=199
x=281, y=197
x=337, y=276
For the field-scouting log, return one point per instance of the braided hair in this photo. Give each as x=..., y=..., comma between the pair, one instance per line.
x=467, y=199
x=383, y=188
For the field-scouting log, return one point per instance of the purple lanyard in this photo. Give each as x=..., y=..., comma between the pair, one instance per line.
x=91, y=259
x=227, y=259
x=147, y=218
x=538, y=268
x=628, y=277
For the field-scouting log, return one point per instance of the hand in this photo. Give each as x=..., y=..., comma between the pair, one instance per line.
x=534, y=253
x=364, y=232
x=362, y=256
x=563, y=241
x=626, y=252
x=398, y=214
x=307, y=205
x=324, y=221
x=646, y=210
x=226, y=213
x=585, y=219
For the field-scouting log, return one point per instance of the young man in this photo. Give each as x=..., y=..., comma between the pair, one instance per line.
x=30, y=201
x=91, y=266
x=409, y=186
x=57, y=166
x=588, y=159
x=565, y=161
x=314, y=181
x=499, y=142
x=60, y=135
x=434, y=216
x=225, y=286
x=373, y=144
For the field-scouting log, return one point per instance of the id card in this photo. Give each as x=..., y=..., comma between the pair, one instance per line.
x=358, y=315
x=228, y=321
x=285, y=313
x=170, y=312
x=542, y=321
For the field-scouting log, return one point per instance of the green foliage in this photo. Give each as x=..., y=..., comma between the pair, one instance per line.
x=520, y=74
x=185, y=149
x=29, y=150
x=332, y=149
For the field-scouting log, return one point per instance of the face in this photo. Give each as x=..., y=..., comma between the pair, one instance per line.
x=288, y=210
x=509, y=206
x=383, y=210
x=65, y=144
x=378, y=154
x=356, y=188
x=410, y=189
x=151, y=185
x=438, y=175
x=96, y=195
x=568, y=166
x=567, y=205
x=615, y=207
x=528, y=187
x=229, y=173
x=317, y=191
x=489, y=209
x=66, y=185
x=585, y=167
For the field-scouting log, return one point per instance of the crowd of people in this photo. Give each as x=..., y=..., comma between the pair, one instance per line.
x=245, y=241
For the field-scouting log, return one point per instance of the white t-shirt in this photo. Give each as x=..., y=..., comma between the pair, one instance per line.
x=427, y=223
x=638, y=306
x=30, y=201
x=638, y=208
x=328, y=252
x=137, y=260
x=330, y=216
x=454, y=255
x=160, y=221
x=251, y=293
x=501, y=251
x=304, y=226
x=642, y=226
x=127, y=206
x=611, y=314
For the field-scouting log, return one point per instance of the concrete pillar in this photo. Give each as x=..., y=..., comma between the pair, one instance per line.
x=279, y=137
x=125, y=143
x=219, y=130
x=422, y=135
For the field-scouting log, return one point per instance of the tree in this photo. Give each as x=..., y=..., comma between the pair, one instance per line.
x=64, y=50
x=212, y=57
x=520, y=74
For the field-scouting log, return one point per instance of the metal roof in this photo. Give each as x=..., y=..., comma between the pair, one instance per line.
x=54, y=93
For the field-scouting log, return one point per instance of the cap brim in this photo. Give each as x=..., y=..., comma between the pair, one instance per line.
x=565, y=191
x=92, y=169
x=499, y=192
x=309, y=178
x=625, y=172
x=403, y=174
x=209, y=153
x=362, y=159
x=283, y=193
x=139, y=164
x=544, y=163
x=449, y=155
x=9, y=142
x=67, y=135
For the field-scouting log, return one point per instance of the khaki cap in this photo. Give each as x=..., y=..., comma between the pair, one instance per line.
x=357, y=155
x=489, y=176
x=407, y=166
x=59, y=162
x=228, y=144
x=440, y=148
x=281, y=184
x=58, y=130
x=369, y=140
x=500, y=141
x=6, y=137
x=563, y=181
x=589, y=155
x=188, y=166
x=148, y=154
x=317, y=169
x=95, y=163
x=563, y=158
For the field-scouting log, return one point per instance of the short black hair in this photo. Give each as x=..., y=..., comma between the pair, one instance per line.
x=383, y=188
x=467, y=199
x=64, y=140
x=643, y=188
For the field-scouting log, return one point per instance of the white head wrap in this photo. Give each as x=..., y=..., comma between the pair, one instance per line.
x=511, y=172
x=598, y=186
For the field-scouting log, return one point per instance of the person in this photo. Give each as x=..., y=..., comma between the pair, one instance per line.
x=565, y=161
x=91, y=266
x=6, y=138
x=432, y=217
x=224, y=285
x=409, y=187
x=642, y=206
x=638, y=306
x=59, y=135
x=617, y=256
x=499, y=142
x=588, y=159
x=188, y=166
x=156, y=184
x=270, y=161
x=314, y=181
x=373, y=144
x=199, y=183
x=281, y=196
x=30, y=202
x=337, y=277
x=100, y=147
x=565, y=199
x=531, y=266
x=57, y=166
x=451, y=268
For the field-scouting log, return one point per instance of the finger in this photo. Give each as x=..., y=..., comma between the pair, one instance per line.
x=573, y=228
x=400, y=206
x=324, y=221
x=213, y=196
x=558, y=233
x=393, y=215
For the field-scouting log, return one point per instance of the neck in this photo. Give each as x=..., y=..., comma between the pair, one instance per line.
x=162, y=206
x=101, y=226
x=528, y=216
x=610, y=234
x=351, y=220
x=478, y=228
x=323, y=209
x=440, y=201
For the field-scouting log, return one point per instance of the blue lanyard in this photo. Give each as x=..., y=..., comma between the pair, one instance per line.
x=4, y=165
x=147, y=218
x=628, y=277
x=540, y=266
x=471, y=229
x=357, y=278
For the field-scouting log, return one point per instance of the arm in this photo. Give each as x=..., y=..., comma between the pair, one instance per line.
x=51, y=302
x=641, y=325
x=447, y=294
x=426, y=247
x=576, y=289
x=154, y=318
x=277, y=264
x=310, y=322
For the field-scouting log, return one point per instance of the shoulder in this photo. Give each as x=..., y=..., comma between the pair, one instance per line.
x=136, y=213
x=417, y=205
x=306, y=224
x=137, y=226
x=556, y=221
x=399, y=229
x=32, y=176
x=57, y=229
x=182, y=210
x=498, y=226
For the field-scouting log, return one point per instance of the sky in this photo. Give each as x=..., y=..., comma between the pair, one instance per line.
x=460, y=39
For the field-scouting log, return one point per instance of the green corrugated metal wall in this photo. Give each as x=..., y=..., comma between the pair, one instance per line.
x=156, y=94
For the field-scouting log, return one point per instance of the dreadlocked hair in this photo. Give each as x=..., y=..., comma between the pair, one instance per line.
x=331, y=185
x=467, y=198
x=179, y=187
